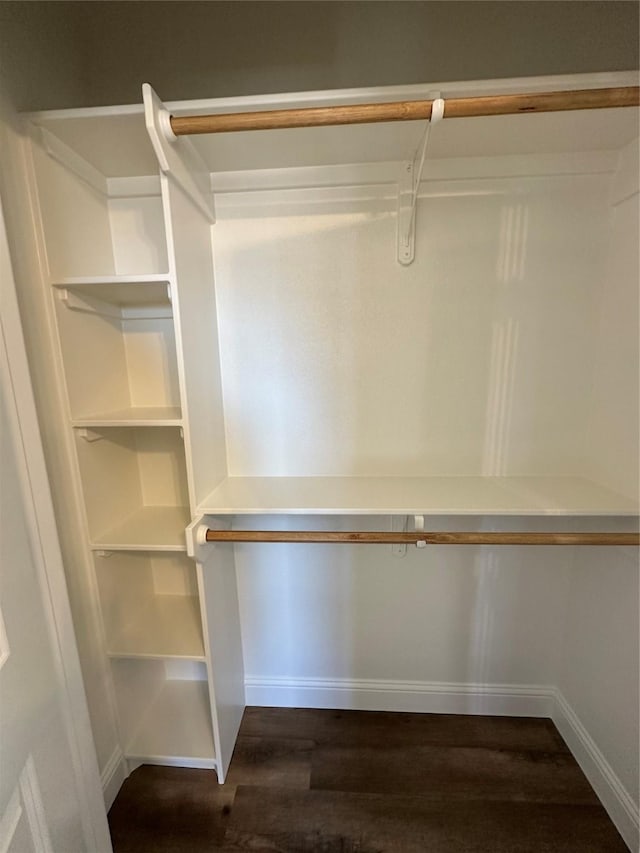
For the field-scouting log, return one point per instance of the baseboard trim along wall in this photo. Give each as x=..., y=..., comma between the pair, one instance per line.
x=112, y=776
x=619, y=804
x=519, y=700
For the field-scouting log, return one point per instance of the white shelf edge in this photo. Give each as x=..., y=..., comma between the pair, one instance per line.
x=155, y=623
x=119, y=418
x=76, y=281
x=154, y=656
x=118, y=546
x=115, y=540
x=514, y=505
x=329, y=97
x=172, y=760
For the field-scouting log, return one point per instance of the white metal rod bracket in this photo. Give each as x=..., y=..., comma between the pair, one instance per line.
x=399, y=524
x=409, y=186
x=418, y=525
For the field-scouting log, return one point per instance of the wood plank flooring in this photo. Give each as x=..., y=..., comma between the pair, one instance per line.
x=312, y=781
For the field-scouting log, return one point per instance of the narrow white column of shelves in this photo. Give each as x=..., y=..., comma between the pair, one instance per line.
x=164, y=719
x=124, y=298
x=149, y=604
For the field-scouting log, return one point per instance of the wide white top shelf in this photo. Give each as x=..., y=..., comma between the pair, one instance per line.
x=90, y=132
x=530, y=496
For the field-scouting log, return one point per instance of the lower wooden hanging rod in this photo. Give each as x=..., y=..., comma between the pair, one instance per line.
x=411, y=538
x=492, y=105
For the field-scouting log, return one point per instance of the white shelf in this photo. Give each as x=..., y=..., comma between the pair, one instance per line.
x=142, y=416
x=163, y=626
x=122, y=290
x=176, y=727
x=151, y=528
x=532, y=496
x=391, y=141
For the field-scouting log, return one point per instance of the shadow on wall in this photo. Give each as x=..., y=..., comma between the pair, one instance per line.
x=68, y=54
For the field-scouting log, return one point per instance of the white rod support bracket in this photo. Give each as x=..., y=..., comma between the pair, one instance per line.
x=418, y=525
x=409, y=186
x=164, y=125
x=196, y=536
x=399, y=524
x=177, y=157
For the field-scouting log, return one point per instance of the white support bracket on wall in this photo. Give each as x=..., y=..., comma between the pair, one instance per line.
x=89, y=435
x=408, y=187
x=399, y=524
x=177, y=156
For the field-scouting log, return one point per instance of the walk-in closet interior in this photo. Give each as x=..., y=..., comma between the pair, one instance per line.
x=401, y=327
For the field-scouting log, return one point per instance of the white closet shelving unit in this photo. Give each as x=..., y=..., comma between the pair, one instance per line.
x=316, y=375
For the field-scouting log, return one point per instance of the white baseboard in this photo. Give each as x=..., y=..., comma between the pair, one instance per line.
x=112, y=776
x=614, y=796
x=516, y=700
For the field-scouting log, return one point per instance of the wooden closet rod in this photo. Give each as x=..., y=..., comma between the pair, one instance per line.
x=492, y=105
x=410, y=538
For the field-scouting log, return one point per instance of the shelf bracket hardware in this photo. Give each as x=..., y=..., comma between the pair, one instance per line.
x=196, y=535
x=418, y=526
x=88, y=304
x=409, y=186
x=399, y=524
x=89, y=434
x=104, y=554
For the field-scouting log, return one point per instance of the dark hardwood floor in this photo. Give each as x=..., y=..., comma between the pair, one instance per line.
x=311, y=781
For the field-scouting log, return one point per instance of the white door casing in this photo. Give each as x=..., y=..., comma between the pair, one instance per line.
x=50, y=794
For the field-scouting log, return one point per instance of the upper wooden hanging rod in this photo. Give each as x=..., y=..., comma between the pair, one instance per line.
x=492, y=105
x=412, y=537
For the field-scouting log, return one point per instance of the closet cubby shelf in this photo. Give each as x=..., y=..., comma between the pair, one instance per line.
x=124, y=296
x=150, y=528
x=142, y=416
x=500, y=496
x=117, y=289
x=176, y=727
x=163, y=627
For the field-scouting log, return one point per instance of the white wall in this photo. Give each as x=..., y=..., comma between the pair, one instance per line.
x=600, y=659
x=599, y=670
x=475, y=360
x=448, y=615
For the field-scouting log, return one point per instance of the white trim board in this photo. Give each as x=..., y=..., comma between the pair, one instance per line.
x=433, y=697
x=113, y=775
x=427, y=697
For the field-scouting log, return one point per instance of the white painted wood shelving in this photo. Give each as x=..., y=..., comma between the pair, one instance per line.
x=318, y=376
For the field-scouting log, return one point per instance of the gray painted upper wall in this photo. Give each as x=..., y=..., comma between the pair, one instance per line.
x=66, y=54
